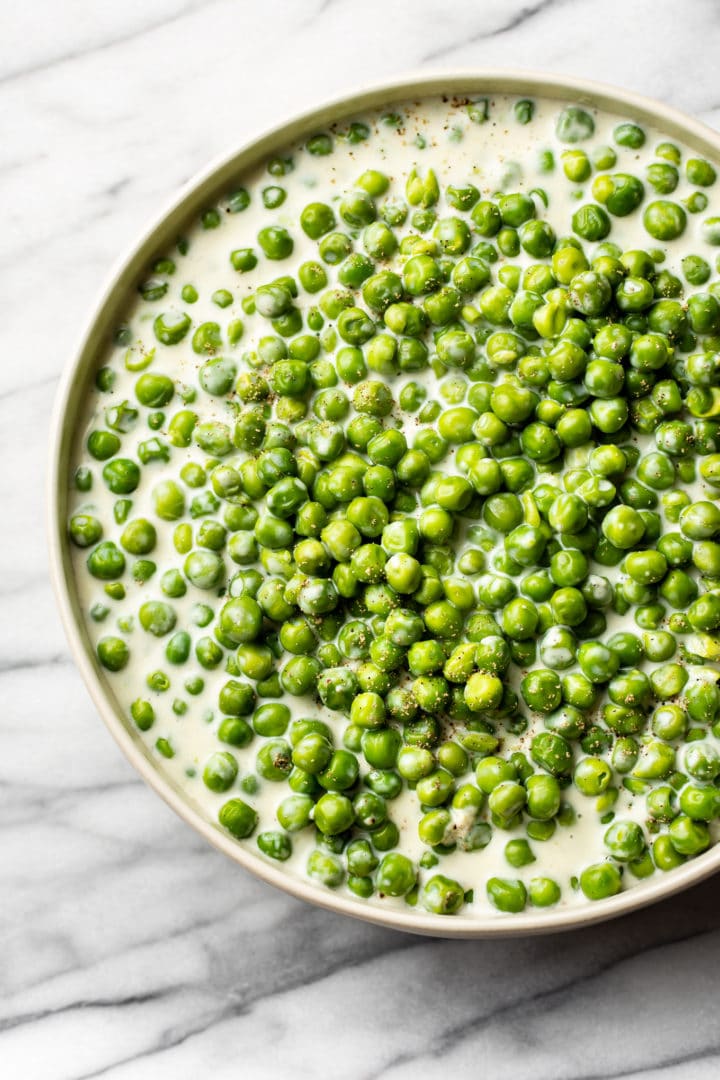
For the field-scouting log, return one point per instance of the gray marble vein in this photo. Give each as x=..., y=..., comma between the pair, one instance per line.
x=94, y=41
x=130, y=949
x=508, y=21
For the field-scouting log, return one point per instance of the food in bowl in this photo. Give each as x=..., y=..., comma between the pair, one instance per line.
x=394, y=507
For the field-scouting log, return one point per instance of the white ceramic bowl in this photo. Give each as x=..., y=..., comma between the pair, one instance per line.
x=75, y=384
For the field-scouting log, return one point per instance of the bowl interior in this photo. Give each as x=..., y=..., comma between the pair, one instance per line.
x=75, y=385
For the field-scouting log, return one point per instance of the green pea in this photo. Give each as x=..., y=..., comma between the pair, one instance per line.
x=699, y=803
x=664, y=220
x=688, y=837
x=506, y=800
x=543, y=796
x=624, y=840
x=275, y=242
x=326, y=868
x=276, y=845
x=701, y=172
x=113, y=653
x=591, y=222
x=519, y=853
x=664, y=854
x=171, y=327
x=238, y=818
x=220, y=771
x=552, y=752
x=600, y=881
x=85, y=530
x=506, y=894
x=235, y=731
x=395, y=875
x=442, y=896
x=543, y=892
x=592, y=776
x=157, y=618
x=106, y=561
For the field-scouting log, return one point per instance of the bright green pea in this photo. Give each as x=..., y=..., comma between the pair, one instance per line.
x=506, y=894
x=600, y=881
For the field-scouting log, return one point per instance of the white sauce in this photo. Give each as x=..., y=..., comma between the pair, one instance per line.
x=499, y=154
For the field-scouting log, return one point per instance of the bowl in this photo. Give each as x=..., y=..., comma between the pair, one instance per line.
x=74, y=385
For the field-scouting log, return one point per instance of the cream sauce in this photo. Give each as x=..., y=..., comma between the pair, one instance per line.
x=498, y=155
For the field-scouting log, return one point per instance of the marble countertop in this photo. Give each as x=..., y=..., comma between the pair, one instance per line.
x=130, y=949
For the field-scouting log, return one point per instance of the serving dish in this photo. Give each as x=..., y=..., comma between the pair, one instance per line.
x=76, y=382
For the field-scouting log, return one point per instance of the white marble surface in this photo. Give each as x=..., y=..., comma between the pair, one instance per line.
x=129, y=949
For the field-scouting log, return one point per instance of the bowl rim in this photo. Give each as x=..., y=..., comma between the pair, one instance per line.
x=72, y=387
